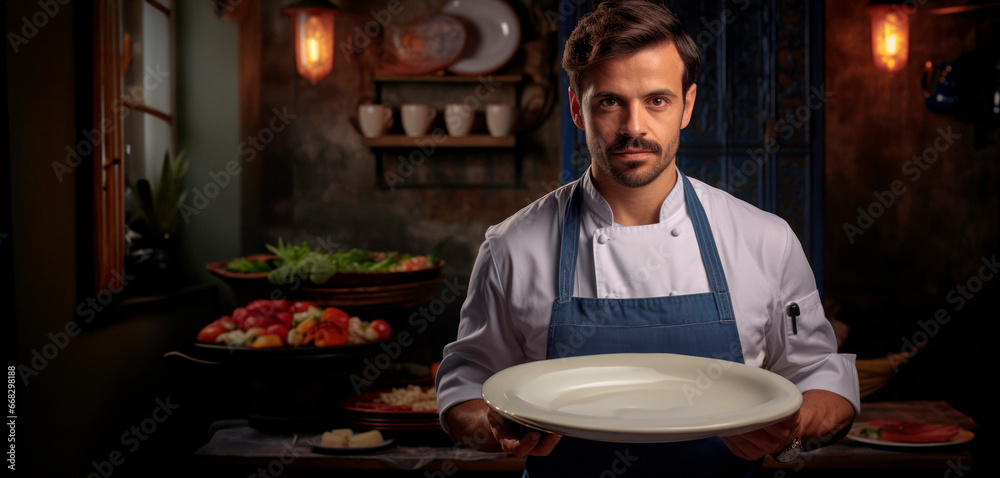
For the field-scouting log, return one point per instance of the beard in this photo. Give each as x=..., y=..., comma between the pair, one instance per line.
x=633, y=175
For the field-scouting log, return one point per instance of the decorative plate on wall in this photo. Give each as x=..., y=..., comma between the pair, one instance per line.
x=428, y=44
x=493, y=34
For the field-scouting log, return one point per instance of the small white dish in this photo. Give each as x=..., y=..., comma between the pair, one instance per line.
x=316, y=443
x=641, y=398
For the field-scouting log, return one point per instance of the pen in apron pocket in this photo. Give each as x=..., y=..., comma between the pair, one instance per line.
x=793, y=312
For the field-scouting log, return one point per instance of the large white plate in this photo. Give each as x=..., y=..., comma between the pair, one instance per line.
x=641, y=398
x=493, y=34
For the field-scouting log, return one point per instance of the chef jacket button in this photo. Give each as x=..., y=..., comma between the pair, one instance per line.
x=673, y=292
x=675, y=231
x=603, y=239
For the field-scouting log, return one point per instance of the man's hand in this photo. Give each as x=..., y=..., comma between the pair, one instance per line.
x=509, y=435
x=823, y=418
x=757, y=444
x=479, y=427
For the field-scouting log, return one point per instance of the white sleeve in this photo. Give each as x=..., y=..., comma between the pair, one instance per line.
x=487, y=342
x=805, y=352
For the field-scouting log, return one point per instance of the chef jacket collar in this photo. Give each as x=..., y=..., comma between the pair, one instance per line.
x=599, y=207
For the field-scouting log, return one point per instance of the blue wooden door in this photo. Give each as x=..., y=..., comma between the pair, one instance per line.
x=757, y=128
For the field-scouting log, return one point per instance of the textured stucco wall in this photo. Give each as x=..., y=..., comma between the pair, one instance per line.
x=922, y=251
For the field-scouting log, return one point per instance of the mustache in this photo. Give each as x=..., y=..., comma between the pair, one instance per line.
x=627, y=143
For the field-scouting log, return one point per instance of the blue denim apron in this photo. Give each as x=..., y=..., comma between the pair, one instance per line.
x=696, y=324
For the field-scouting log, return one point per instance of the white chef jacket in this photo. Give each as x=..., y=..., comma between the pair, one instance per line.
x=505, y=318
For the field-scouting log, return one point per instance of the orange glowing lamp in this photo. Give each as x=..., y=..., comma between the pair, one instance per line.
x=890, y=35
x=314, y=21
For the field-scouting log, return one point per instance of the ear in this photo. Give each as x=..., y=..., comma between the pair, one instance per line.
x=574, y=110
x=689, y=98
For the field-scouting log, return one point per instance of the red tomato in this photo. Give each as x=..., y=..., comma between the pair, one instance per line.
x=258, y=320
x=261, y=305
x=281, y=305
x=302, y=306
x=210, y=332
x=382, y=328
x=226, y=321
x=240, y=316
x=414, y=263
x=336, y=317
x=286, y=317
x=280, y=330
x=326, y=335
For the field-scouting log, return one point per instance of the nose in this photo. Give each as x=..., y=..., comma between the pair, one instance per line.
x=633, y=122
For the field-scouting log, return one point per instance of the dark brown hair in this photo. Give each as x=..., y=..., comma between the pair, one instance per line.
x=620, y=28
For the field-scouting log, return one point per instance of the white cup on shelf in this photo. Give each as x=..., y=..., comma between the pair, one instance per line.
x=374, y=120
x=499, y=119
x=416, y=118
x=458, y=119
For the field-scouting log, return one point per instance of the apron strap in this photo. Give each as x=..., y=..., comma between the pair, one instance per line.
x=569, y=243
x=709, y=252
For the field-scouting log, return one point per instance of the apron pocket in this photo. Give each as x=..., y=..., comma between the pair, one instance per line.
x=679, y=310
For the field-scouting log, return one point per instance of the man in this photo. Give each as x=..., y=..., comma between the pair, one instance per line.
x=635, y=227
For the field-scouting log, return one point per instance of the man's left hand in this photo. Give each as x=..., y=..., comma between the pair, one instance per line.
x=823, y=415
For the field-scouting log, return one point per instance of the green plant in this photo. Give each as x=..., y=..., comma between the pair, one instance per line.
x=300, y=262
x=156, y=206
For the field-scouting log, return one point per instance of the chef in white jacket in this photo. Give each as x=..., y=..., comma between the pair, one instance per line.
x=636, y=257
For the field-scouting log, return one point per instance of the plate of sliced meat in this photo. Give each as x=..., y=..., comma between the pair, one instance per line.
x=909, y=434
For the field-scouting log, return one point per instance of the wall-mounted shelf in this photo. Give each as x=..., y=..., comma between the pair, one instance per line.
x=975, y=6
x=441, y=141
x=392, y=78
x=493, y=162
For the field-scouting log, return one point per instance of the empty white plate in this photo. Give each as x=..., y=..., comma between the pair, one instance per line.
x=641, y=398
x=493, y=34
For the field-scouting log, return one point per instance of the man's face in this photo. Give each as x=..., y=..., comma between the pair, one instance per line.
x=632, y=110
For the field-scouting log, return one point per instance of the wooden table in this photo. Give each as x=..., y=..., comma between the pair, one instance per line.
x=238, y=449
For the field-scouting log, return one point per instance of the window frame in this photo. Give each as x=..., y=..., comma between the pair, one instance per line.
x=111, y=56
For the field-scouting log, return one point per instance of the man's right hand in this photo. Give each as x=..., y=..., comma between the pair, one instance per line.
x=481, y=428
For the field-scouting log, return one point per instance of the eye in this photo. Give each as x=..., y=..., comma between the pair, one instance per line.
x=658, y=102
x=608, y=102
